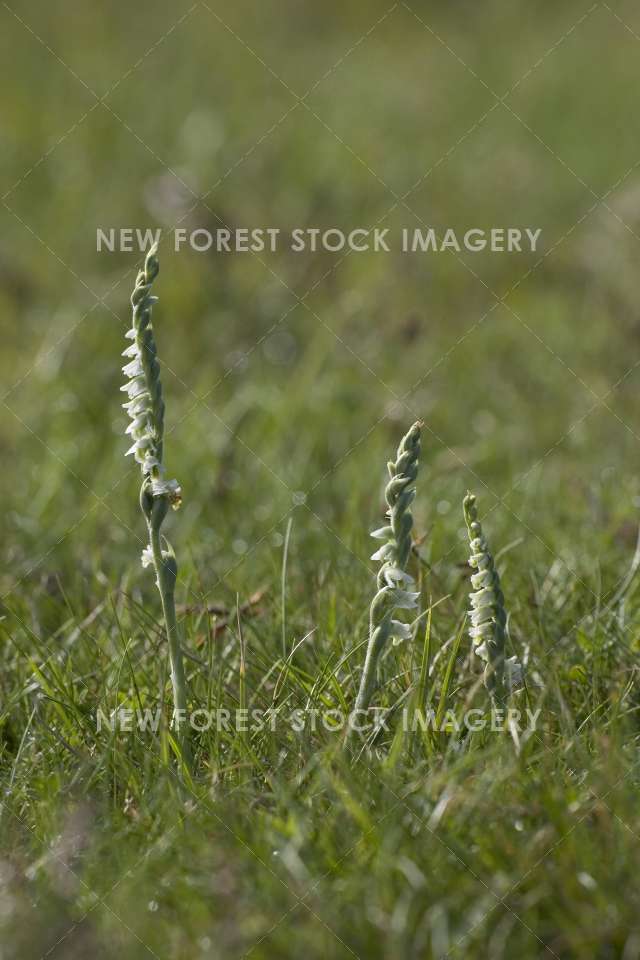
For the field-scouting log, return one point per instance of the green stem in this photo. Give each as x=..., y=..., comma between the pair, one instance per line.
x=394, y=557
x=166, y=574
x=378, y=636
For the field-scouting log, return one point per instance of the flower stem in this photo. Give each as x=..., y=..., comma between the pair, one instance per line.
x=145, y=407
x=166, y=569
x=394, y=556
x=378, y=637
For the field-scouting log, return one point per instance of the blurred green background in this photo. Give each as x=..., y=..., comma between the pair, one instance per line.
x=312, y=364
x=290, y=377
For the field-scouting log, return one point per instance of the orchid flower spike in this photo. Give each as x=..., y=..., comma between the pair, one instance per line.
x=145, y=404
x=394, y=583
x=488, y=617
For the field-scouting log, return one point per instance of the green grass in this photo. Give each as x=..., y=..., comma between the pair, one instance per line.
x=287, y=385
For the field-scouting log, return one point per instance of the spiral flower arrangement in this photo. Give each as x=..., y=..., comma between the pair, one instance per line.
x=145, y=406
x=143, y=386
x=488, y=617
x=395, y=586
x=394, y=583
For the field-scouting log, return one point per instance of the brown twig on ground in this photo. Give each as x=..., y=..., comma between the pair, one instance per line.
x=224, y=614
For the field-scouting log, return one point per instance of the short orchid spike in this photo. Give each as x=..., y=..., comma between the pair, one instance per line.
x=488, y=617
x=394, y=583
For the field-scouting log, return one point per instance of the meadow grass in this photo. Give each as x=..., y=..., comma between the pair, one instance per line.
x=286, y=399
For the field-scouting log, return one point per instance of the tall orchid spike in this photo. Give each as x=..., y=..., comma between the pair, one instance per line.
x=394, y=583
x=145, y=407
x=143, y=386
x=488, y=617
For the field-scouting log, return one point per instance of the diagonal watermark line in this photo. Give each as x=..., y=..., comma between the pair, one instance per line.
x=98, y=899
x=100, y=501
x=272, y=71
x=412, y=189
x=341, y=60
x=541, y=860
x=42, y=357
x=497, y=101
x=413, y=813
x=622, y=22
x=599, y=200
x=286, y=86
x=223, y=178
x=198, y=802
x=500, y=900
x=501, y=100
x=128, y=873
x=210, y=409
x=441, y=160
x=300, y=902
x=328, y=528
x=398, y=199
x=353, y=353
x=71, y=471
x=519, y=480
x=423, y=379
x=331, y=870
x=334, y=931
x=98, y=100
x=299, y=100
